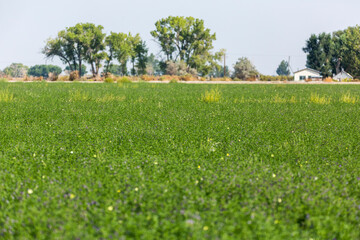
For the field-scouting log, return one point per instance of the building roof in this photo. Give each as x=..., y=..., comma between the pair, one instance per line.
x=342, y=74
x=308, y=69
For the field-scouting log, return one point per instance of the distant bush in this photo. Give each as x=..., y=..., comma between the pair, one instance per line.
x=124, y=80
x=173, y=80
x=74, y=75
x=3, y=80
x=53, y=76
x=276, y=78
x=109, y=80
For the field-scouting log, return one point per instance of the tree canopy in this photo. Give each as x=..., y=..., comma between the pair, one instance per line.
x=186, y=39
x=244, y=69
x=283, y=69
x=16, y=70
x=329, y=53
x=44, y=70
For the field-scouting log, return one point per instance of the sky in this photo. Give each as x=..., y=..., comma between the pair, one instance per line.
x=265, y=31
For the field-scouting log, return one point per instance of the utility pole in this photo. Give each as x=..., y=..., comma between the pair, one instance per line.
x=224, y=65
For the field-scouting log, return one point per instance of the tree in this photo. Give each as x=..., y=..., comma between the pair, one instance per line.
x=74, y=45
x=68, y=69
x=320, y=51
x=244, y=69
x=44, y=70
x=219, y=72
x=115, y=69
x=283, y=69
x=16, y=70
x=120, y=47
x=186, y=39
x=347, y=50
x=141, y=52
x=153, y=65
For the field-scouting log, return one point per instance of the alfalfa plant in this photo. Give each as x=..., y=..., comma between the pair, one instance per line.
x=315, y=98
x=6, y=96
x=347, y=98
x=214, y=95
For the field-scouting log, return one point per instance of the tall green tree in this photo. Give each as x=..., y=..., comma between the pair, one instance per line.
x=141, y=55
x=75, y=45
x=347, y=50
x=186, y=39
x=283, y=69
x=320, y=50
x=44, y=70
x=120, y=48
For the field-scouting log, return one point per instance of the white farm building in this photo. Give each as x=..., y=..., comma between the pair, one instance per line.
x=307, y=73
x=342, y=76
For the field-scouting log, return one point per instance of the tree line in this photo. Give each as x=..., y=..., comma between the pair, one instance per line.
x=329, y=53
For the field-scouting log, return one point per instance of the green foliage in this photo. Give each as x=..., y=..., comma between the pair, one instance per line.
x=244, y=69
x=283, y=69
x=98, y=161
x=320, y=51
x=124, y=80
x=186, y=39
x=109, y=80
x=276, y=78
x=214, y=95
x=44, y=70
x=74, y=45
x=16, y=70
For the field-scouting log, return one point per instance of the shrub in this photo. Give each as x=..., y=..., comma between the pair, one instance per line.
x=63, y=78
x=328, y=79
x=124, y=80
x=173, y=80
x=53, y=76
x=187, y=77
x=3, y=80
x=213, y=95
x=74, y=75
x=109, y=80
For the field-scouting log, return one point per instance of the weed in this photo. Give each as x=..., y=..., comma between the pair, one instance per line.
x=315, y=98
x=6, y=96
x=347, y=98
x=214, y=95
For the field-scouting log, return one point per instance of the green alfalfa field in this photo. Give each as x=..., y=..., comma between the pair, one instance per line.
x=179, y=161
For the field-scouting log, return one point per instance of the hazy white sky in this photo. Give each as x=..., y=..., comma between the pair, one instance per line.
x=265, y=31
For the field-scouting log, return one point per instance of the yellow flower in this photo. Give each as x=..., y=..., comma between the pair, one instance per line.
x=72, y=196
x=199, y=167
x=274, y=175
x=279, y=200
x=110, y=208
x=272, y=155
x=136, y=189
x=30, y=191
x=276, y=221
x=95, y=156
x=205, y=228
x=155, y=163
x=227, y=155
x=119, y=191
